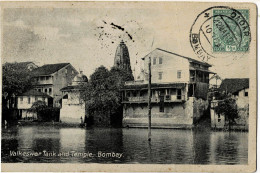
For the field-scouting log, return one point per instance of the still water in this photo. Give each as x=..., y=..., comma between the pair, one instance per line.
x=168, y=146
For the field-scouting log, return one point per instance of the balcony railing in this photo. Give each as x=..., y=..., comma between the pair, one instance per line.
x=167, y=98
x=49, y=81
x=139, y=82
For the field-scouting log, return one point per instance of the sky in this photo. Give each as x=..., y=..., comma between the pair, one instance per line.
x=88, y=37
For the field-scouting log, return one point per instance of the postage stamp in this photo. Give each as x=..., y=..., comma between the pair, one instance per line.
x=230, y=30
x=128, y=86
x=220, y=29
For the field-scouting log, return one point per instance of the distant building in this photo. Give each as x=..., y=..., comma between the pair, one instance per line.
x=73, y=106
x=26, y=100
x=122, y=59
x=50, y=78
x=215, y=81
x=28, y=65
x=239, y=89
x=179, y=91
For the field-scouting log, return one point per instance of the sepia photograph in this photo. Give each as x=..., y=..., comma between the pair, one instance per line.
x=128, y=86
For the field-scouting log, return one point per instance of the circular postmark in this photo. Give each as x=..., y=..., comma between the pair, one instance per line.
x=220, y=30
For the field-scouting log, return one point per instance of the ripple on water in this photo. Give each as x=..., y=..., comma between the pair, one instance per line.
x=168, y=146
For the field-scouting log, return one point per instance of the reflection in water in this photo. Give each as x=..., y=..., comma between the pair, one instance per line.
x=168, y=146
x=201, y=147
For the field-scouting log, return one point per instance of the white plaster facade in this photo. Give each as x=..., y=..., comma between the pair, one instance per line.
x=25, y=102
x=73, y=106
x=242, y=101
x=174, y=82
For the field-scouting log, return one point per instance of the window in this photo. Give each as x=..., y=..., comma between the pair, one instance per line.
x=29, y=100
x=45, y=90
x=160, y=76
x=235, y=93
x=179, y=74
x=154, y=61
x=50, y=90
x=66, y=71
x=160, y=60
x=39, y=90
x=21, y=99
x=179, y=94
x=134, y=93
x=246, y=94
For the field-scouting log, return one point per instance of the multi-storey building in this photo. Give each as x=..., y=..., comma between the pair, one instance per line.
x=179, y=91
x=50, y=78
x=27, y=99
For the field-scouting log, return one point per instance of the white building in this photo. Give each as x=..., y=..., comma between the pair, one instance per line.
x=26, y=100
x=73, y=106
x=238, y=88
x=179, y=88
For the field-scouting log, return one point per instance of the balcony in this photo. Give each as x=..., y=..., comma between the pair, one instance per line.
x=44, y=80
x=138, y=82
x=167, y=98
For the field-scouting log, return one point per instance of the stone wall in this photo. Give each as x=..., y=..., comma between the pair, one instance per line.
x=175, y=115
x=200, y=107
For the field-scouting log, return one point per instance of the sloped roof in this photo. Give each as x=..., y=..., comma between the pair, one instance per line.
x=188, y=58
x=233, y=85
x=33, y=92
x=48, y=69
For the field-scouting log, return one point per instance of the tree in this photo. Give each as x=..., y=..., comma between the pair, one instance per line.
x=38, y=106
x=45, y=113
x=228, y=108
x=16, y=80
x=102, y=93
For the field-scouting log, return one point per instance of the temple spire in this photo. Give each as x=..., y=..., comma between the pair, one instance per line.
x=122, y=59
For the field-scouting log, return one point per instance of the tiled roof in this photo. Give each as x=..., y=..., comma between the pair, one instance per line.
x=48, y=69
x=34, y=93
x=233, y=85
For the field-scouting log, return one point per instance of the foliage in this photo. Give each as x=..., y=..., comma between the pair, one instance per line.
x=38, y=106
x=45, y=113
x=16, y=80
x=228, y=108
x=102, y=93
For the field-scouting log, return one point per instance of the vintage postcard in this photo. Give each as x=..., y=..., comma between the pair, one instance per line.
x=128, y=86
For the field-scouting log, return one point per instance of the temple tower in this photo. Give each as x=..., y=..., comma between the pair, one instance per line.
x=122, y=59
